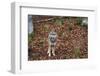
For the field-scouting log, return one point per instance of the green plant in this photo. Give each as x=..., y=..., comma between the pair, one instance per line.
x=45, y=27
x=77, y=52
x=59, y=21
x=79, y=21
x=30, y=37
x=41, y=43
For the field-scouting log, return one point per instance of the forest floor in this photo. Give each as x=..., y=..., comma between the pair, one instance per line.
x=72, y=41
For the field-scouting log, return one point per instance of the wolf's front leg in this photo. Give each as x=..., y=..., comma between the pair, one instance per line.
x=49, y=51
x=53, y=51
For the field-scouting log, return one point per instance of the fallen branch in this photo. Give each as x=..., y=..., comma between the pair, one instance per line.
x=45, y=20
